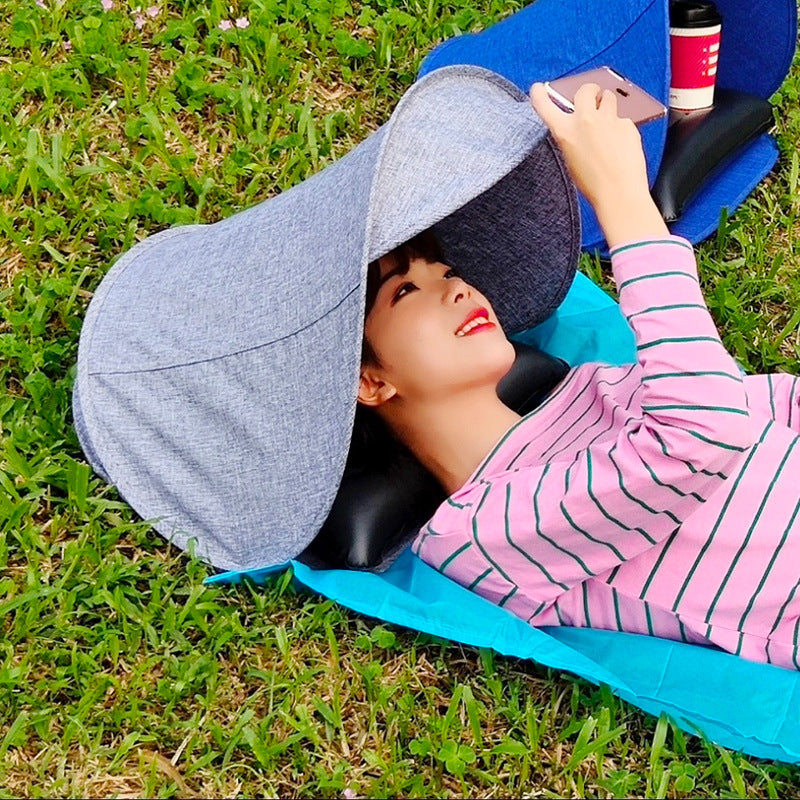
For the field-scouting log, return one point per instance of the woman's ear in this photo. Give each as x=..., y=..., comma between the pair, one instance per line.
x=373, y=389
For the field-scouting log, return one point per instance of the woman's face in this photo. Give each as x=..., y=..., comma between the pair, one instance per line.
x=433, y=333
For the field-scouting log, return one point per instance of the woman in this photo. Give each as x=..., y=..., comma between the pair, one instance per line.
x=655, y=498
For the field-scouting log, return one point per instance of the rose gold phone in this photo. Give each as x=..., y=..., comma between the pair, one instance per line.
x=633, y=102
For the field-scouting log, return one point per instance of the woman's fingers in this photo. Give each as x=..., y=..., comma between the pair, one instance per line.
x=545, y=107
x=601, y=149
x=587, y=97
x=608, y=103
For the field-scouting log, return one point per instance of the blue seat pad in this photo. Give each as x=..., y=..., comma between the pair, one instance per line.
x=550, y=38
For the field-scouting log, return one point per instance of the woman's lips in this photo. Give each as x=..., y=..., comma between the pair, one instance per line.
x=476, y=321
x=484, y=326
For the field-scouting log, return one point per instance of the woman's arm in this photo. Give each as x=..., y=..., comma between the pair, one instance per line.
x=674, y=332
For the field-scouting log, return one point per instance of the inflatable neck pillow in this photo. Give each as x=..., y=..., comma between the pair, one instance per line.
x=386, y=495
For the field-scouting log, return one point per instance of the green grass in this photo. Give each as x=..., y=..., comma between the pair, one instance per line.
x=120, y=674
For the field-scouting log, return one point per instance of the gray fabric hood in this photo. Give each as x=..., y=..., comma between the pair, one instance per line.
x=218, y=364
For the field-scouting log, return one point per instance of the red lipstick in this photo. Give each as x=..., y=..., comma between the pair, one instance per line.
x=476, y=320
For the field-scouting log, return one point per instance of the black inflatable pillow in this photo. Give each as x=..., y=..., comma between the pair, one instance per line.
x=701, y=143
x=386, y=495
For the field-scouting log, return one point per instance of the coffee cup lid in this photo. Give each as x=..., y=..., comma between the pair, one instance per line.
x=693, y=14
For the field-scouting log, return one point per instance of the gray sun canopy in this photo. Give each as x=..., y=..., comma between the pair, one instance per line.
x=218, y=364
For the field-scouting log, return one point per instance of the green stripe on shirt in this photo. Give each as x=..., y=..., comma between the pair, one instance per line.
x=723, y=445
x=518, y=455
x=538, y=610
x=577, y=527
x=771, y=396
x=443, y=566
x=636, y=245
x=672, y=307
x=521, y=550
x=507, y=597
x=548, y=539
x=591, y=538
x=459, y=506
x=615, y=595
x=753, y=524
x=553, y=455
x=659, y=375
x=691, y=467
x=636, y=500
x=675, y=406
x=668, y=274
x=678, y=340
x=565, y=412
x=658, y=481
x=552, y=396
x=794, y=644
x=600, y=508
x=425, y=533
x=476, y=539
x=763, y=580
x=477, y=580
x=657, y=565
x=649, y=620
x=720, y=518
x=585, y=593
x=781, y=612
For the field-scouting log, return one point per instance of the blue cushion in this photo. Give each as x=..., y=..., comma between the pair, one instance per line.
x=550, y=38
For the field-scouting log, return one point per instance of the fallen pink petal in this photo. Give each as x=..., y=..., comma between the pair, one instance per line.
x=225, y=25
x=67, y=44
x=41, y=3
x=107, y=4
x=153, y=11
x=349, y=794
x=138, y=21
x=242, y=22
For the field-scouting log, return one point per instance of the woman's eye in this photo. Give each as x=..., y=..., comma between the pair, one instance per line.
x=451, y=273
x=401, y=291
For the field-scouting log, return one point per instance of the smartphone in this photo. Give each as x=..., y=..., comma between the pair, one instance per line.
x=632, y=101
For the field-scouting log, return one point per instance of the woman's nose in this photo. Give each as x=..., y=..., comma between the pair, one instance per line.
x=456, y=291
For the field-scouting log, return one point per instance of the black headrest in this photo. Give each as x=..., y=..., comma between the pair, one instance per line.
x=699, y=144
x=386, y=495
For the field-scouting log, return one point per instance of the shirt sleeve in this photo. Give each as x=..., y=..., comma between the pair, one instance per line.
x=547, y=527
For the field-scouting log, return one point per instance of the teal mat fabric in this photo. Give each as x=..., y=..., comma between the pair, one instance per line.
x=742, y=705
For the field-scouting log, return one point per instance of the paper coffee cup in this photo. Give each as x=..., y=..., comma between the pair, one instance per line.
x=695, y=33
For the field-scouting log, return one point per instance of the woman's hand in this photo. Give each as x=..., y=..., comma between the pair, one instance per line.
x=604, y=155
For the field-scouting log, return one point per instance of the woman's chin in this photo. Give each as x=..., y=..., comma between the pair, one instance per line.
x=496, y=363
x=506, y=357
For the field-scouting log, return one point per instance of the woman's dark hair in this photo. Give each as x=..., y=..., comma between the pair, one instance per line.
x=372, y=437
x=423, y=245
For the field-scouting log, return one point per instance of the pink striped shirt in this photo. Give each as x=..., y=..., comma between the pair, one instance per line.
x=659, y=498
